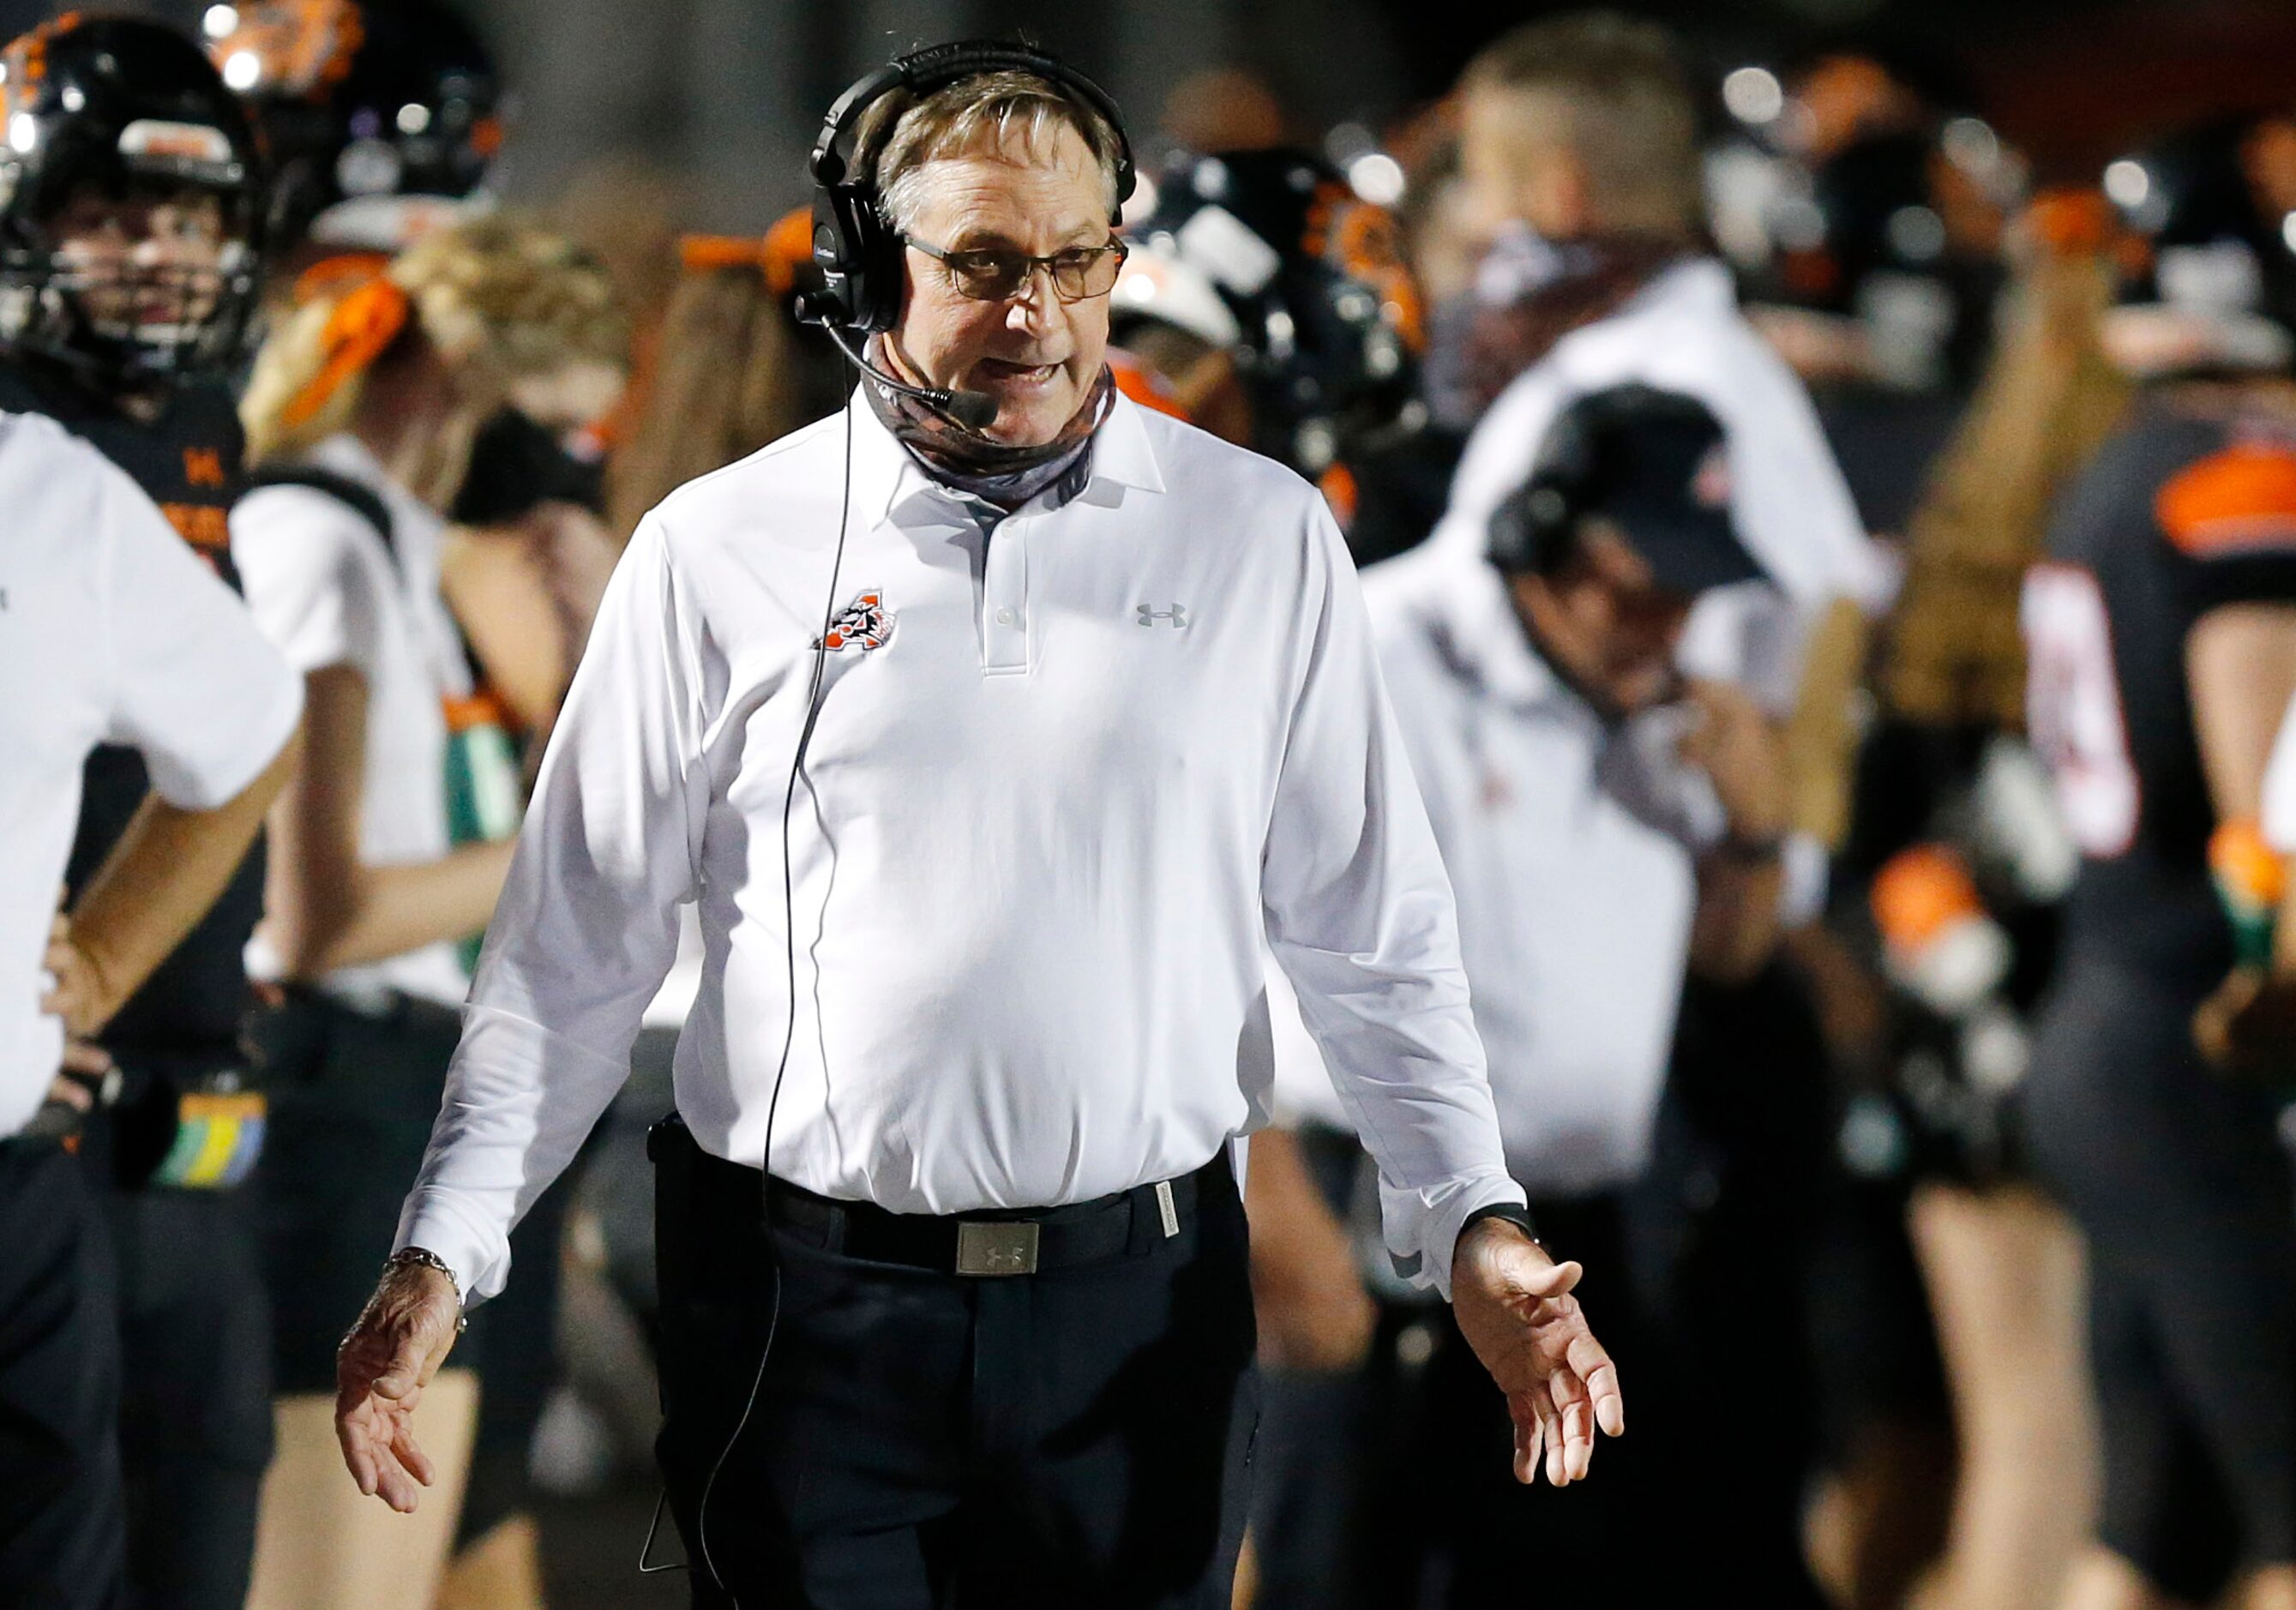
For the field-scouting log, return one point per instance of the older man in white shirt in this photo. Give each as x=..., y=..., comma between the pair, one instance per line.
x=991, y=724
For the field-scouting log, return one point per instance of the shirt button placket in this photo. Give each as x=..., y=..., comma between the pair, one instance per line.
x=1004, y=602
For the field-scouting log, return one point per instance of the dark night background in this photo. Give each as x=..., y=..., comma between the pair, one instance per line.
x=722, y=95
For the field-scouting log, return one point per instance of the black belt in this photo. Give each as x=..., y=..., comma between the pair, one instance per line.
x=991, y=1242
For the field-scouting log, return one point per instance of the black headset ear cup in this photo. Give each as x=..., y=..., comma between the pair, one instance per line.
x=1529, y=531
x=848, y=250
x=859, y=255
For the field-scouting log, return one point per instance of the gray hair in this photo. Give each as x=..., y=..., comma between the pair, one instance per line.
x=902, y=133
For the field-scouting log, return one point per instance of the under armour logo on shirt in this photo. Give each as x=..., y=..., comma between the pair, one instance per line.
x=1178, y=615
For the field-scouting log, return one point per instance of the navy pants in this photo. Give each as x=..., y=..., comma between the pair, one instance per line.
x=922, y=1440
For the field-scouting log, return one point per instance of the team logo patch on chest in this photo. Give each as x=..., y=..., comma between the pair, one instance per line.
x=864, y=624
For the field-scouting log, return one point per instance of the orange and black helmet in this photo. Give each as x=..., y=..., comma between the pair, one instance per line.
x=1328, y=316
x=113, y=106
x=360, y=103
x=2216, y=220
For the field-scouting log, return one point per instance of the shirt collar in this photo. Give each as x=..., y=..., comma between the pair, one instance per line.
x=886, y=474
x=1701, y=284
x=1481, y=640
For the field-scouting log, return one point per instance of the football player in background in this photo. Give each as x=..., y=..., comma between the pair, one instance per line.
x=2161, y=631
x=132, y=233
x=381, y=121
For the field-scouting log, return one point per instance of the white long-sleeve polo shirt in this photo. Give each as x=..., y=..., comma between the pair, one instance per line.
x=1064, y=778
x=1573, y=842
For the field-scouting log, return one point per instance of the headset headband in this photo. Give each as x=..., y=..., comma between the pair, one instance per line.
x=935, y=67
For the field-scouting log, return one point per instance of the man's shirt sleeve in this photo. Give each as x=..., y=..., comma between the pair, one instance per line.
x=585, y=929
x=196, y=688
x=1360, y=917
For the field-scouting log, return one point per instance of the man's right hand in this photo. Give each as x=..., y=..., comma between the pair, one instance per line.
x=78, y=994
x=1739, y=749
x=384, y=1363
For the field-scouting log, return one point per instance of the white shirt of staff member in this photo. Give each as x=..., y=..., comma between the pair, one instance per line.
x=1065, y=782
x=1604, y=821
x=111, y=631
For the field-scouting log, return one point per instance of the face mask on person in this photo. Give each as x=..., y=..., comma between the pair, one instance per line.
x=516, y=466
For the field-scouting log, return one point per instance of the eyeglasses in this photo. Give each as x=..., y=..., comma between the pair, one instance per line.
x=989, y=275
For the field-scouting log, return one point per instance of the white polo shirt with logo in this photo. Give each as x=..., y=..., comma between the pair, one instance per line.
x=112, y=631
x=1073, y=768
x=1573, y=844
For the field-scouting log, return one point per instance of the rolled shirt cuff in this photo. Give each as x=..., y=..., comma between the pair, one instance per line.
x=1422, y=1226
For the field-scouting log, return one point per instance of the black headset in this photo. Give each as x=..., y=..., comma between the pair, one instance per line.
x=1530, y=530
x=858, y=253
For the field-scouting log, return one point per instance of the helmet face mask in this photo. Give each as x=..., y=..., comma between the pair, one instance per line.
x=144, y=281
x=129, y=245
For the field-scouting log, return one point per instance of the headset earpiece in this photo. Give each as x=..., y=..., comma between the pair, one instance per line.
x=859, y=258
x=1530, y=530
x=858, y=255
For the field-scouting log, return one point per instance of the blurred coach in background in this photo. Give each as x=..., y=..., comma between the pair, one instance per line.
x=1081, y=702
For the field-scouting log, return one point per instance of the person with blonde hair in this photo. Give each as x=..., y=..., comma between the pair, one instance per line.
x=389, y=845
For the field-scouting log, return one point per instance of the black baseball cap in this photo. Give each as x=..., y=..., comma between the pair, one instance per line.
x=1655, y=464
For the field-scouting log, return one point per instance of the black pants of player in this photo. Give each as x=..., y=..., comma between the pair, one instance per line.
x=196, y=1413
x=61, y=1526
x=353, y=1095
x=195, y=1343
x=917, y=1440
x=2179, y=1184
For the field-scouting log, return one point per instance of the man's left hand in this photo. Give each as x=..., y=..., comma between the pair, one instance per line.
x=78, y=994
x=1515, y=1306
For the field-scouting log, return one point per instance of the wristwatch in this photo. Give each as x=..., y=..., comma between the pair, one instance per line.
x=1746, y=849
x=1513, y=1212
